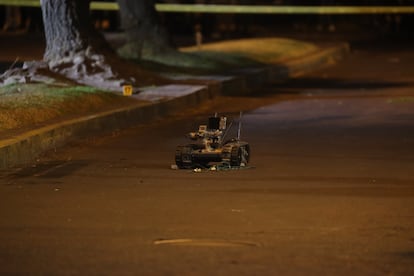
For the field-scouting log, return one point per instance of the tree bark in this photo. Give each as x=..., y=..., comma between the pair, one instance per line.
x=68, y=29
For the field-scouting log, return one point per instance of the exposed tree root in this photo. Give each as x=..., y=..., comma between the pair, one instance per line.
x=85, y=67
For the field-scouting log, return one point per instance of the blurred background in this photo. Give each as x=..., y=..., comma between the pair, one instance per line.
x=220, y=26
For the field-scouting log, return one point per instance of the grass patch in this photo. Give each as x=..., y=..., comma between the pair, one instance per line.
x=22, y=105
x=263, y=51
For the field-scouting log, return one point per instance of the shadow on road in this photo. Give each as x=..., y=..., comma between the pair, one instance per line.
x=323, y=83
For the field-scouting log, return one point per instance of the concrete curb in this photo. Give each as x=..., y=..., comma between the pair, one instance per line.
x=26, y=147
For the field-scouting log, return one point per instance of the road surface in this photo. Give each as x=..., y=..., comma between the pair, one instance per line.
x=331, y=191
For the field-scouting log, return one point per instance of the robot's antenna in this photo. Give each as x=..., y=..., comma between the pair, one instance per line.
x=240, y=124
x=227, y=131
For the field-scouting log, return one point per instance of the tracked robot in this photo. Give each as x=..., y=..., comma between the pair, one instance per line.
x=210, y=146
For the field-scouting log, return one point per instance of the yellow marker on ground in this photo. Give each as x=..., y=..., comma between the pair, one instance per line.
x=127, y=90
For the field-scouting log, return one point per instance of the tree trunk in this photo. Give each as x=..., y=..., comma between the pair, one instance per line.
x=147, y=39
x=145, y=35
x=63, y=28
x=68, y=29
x=73, y=47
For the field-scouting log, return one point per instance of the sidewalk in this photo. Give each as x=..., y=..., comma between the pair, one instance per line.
x=279, y=59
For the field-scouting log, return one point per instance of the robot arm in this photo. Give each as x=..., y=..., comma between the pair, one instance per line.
x=200, y=134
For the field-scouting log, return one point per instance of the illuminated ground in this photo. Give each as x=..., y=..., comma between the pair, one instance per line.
x=332, y=191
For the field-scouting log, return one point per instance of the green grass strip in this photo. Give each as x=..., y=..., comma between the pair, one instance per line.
x=191, y=8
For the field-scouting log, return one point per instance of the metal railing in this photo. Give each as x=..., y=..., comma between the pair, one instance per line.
x=244, y=9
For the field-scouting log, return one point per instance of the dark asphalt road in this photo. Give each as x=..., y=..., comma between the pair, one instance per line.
x=332, y=191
